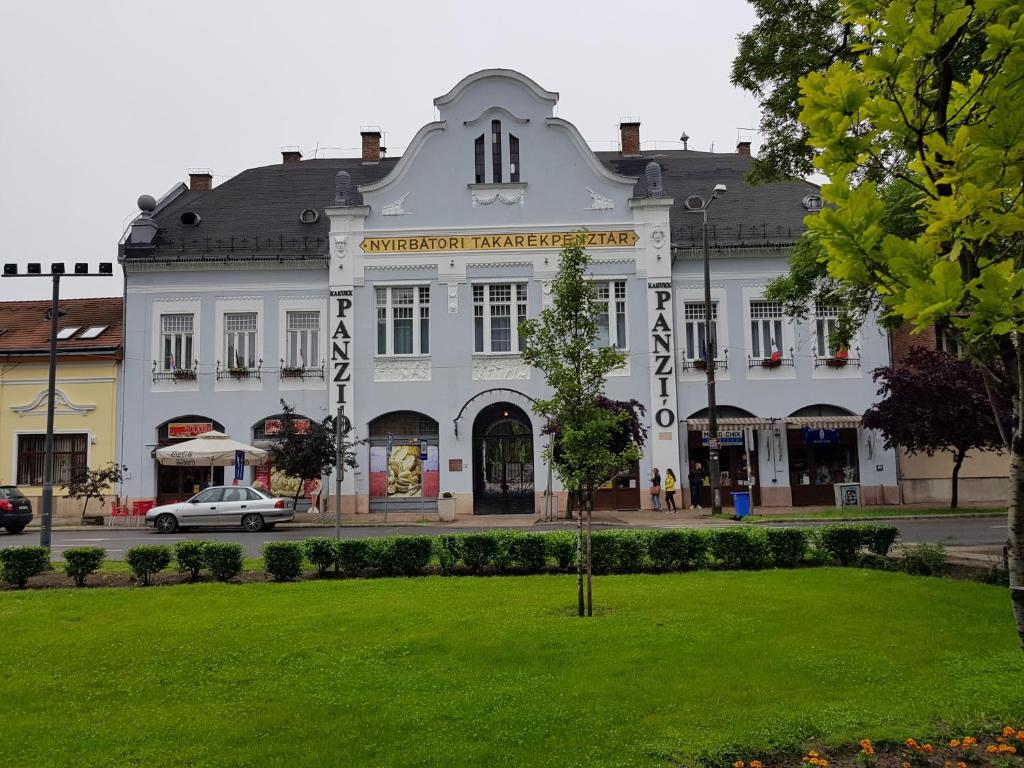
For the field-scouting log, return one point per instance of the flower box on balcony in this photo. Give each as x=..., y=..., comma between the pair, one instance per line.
x=184, y=374
x=770, y=363
x=292, y=373
x=836, y=362
x=700, y=364
x=238, y=373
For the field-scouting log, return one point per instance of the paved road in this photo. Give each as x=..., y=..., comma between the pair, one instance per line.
x=978, y=531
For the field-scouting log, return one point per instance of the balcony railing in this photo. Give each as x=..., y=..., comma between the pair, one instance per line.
x=239, y=373
x=700, y=364
x=837, y=361
x=301, y=372
x=175, y=374
x=770, y=362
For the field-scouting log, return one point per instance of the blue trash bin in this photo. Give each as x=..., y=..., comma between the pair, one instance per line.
x=741, y=503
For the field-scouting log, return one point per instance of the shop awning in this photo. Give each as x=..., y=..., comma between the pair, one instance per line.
x=730, y=422
x=823, y=422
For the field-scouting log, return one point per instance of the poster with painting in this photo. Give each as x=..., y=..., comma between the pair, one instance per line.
x=403, y=474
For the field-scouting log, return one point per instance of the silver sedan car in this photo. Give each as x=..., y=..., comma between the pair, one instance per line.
x=222, y=506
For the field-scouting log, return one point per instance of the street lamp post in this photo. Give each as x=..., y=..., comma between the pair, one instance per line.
x=56, y=272
x=697, y=204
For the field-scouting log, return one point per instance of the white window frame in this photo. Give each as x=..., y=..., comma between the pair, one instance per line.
x=826, y=317
x=420, y=312
x=945, y=341
x=294, y=336
x=250, y=336
x=519, y=295
x=233, y=305
x=611, y=310
x=782, y=322
x=187, y=361
x=157, y=309
x=695, y=326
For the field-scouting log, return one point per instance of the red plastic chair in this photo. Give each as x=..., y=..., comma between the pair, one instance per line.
x=139, y=510
x=118, y=512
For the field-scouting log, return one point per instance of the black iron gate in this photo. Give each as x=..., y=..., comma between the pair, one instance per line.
x=503, y=461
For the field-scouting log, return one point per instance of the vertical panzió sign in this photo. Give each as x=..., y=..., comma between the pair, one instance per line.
x=663, y=384
x=341, y=346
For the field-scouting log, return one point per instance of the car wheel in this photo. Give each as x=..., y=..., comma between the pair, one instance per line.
x=15, y=528
x=252, y=522
x=166, y=524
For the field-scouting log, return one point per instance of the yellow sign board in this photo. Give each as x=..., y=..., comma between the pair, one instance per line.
x=498, y=242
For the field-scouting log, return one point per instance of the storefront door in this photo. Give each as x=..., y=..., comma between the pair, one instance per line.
x=819, y=458
x=181, y=483
x=733, y=468
x=503, y=461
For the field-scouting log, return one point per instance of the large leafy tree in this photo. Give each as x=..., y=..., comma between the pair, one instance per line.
x=308, y=453
x=920, y=105
x=935, y=402
x=593, y=438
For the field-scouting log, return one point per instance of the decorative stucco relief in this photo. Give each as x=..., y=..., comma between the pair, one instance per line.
x=500, y=368
x=546, y=299
x=480, y=197
x=599, y=202
x=453, y=298
x=62, y=405
x=394, y=369
x=396, y=208
x=657, y=237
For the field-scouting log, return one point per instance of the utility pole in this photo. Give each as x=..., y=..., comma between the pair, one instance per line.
x=339, y=462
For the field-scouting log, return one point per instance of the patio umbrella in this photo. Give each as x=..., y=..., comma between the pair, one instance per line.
x=210, y=449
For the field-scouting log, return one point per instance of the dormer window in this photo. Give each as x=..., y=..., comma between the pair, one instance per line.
x=513, y=157
x=478, y=148
x=496, y=151
x=498, y=160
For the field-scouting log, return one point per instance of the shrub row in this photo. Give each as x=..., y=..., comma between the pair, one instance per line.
x=503, y=551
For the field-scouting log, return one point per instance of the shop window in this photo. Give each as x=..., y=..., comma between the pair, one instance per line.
x=610, y=307
x=176, y=341
x=478, y=158
x=826, y=318
x=240, y=339
x=695, y=329
x=403, y=320
x=70, y=452
x=513, y=157
x=765, y=328
x=496, y=151
x=303, y=341
x=498, y=309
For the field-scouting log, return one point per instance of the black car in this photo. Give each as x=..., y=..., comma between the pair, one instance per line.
x=15, y=509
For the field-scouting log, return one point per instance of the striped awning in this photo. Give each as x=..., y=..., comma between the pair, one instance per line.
x=729, y=422
x=823, y=422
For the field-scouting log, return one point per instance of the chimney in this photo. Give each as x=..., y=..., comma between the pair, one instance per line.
x=200, y=179
x=291, y=155
x=629, y=136
x=371, y=145
x=743, y=148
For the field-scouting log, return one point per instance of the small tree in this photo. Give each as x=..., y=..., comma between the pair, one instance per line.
x=935, y=402
x=592, y=437
x=86, y=483
x=309, y=453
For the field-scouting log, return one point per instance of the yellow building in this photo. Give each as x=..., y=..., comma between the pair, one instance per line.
x=89, y=351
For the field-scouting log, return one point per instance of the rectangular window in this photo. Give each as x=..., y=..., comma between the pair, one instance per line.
x=478, y=158
x=610, y=301
x=70, y=452
x=695, y=329
x=765, y=328
x=946, y=341
x=176, y=342
x=497, y=311
x=403, y=320
x=303, y=339
x=825, y=319
x=240, y=339
x=496, y=151
x=513, y=157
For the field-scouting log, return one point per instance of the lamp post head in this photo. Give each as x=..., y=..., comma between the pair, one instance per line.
x=719, y=190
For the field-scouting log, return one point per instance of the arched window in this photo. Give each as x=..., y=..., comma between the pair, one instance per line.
x=478, y=158
x=496, y=151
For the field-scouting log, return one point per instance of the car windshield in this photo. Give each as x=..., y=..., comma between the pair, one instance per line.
x=10, y=492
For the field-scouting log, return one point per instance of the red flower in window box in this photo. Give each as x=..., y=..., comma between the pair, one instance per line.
x=771, y=362
x=700, y=364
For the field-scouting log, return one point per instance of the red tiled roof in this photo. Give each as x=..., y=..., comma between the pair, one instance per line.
x=24, y=326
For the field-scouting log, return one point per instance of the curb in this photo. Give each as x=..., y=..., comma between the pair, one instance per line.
x=896, y=518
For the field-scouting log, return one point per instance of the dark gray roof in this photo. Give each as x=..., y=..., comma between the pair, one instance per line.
x=255, y=215
x=766, y=214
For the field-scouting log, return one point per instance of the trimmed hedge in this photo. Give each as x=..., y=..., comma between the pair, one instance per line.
x=79, y=562
x=224, y=559
x=674, y=549
x=561, y=547
x=146, y=560
x=322, y=552
x=189, y=555
x=283, y=559
x=845, y=542
x=787, y=546
x=739, y=548
x=19, y=564
x=353, y=555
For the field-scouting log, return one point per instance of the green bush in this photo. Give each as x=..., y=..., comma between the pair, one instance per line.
x=924, y=559
x=146, y=560
x=18, y=564
x=79, y=562
x=880, y=539
x=410, y=554
x=843, y=542
x=449, y=552
x=528, y=551
x=224, y=559
x=353, y=555
x=504, y=545
x=677, y=550
x=189, y=555
x=478, y=550
x=873, y=561
x=283, y=559
x=739, y=547
x=322, y=552
x=632, y=550
x=561, y=546
x=787, y=546
x=604, y=551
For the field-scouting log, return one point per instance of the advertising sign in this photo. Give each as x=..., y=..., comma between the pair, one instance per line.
x=816, y=436
x=273, y=426
x=725, y=437
x=185, y=430
x=400, y=473
x=239, y=466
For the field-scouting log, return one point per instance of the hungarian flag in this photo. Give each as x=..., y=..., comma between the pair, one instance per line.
x=776, y=355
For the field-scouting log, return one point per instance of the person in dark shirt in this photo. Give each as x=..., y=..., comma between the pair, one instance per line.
x=696, y=483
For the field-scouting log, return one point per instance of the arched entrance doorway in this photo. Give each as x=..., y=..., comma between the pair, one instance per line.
x=265, y=434
x=502, y=461
x=737, y=457
x=404, y=474
x=181, y=483
x=822, y=445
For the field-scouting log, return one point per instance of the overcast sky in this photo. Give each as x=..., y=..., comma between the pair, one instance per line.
x=103, y=101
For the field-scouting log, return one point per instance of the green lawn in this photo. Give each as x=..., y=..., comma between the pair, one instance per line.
x=497, y=671
x=871, y=513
